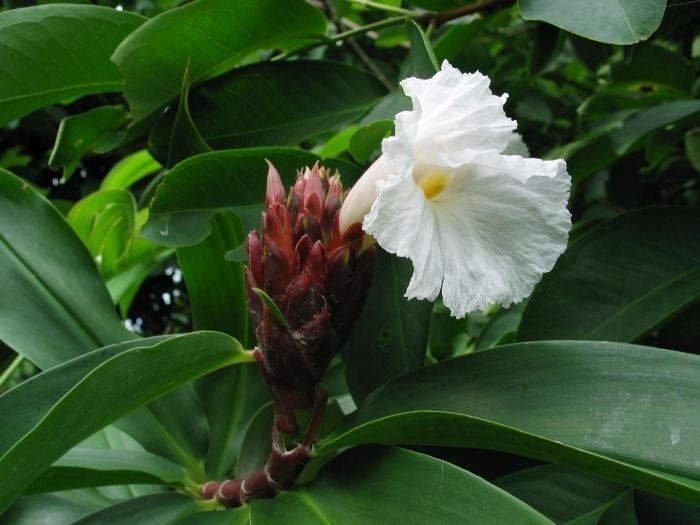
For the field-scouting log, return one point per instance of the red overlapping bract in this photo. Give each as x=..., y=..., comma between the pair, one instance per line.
x=317, y=277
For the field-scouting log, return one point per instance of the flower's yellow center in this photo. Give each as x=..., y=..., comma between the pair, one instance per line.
x=434, y=181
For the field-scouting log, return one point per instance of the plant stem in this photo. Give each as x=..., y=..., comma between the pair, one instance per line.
x=7, y=373
x=385, y=7
x=342, y=36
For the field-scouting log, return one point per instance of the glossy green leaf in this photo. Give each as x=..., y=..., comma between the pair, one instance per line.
x=37, y=247
x=654, y=118
x=130, y=170
x=105, y=221
x=239, y=516
x=619, y=280
x=154, y=509
x=627, y=413
x=51, y=509
x=230, y=397
x=214, y=35
x=278, y=103
x=503, y=325
x=184, y=138
x=214, y=285
x=58, y=52
x=389, y=485
x=42, y=391
x=390, y=337
x=256, y=444
x=423, y=61
x=692, y=147
x=194, y=190
x=367, y=139
x=118, y=385
x=609, y=21
x=565, y=496
x=88, y=467
x=95, y=130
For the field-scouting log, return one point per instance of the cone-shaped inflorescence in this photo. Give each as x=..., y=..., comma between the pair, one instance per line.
x=306, y=284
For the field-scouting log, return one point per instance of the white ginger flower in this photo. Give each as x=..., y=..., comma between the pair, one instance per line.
x=455, y=192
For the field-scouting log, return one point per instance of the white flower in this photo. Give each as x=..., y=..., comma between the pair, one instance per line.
x=455, y=193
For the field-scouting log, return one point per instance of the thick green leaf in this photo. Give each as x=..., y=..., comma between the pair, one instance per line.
x=610, y=21
x=624, y=412
x=565, y=496
x=44, y=390
x=130, y=170
x=214, y=285
x=256, y=444
x=95, y=130
x=153, y=509
x=389, y=485
x=58, y=52
x=391, y=335
x=619, y=280
x=239, y=516
x=51, y=509
x=48, y=274
x=214, y=36
x=423, y=61
x=644, y=122
x=367, y=139
x=88, y=467
x=184, y=139
x=105, y=221
x=230, y=397
x=194, y=190
x=277, y=103
x=501, y=327
x=115, y=387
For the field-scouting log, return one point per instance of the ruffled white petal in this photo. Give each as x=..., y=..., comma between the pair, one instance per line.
x=456, y=193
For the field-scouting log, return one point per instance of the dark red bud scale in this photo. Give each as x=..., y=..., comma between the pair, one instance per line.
x=318, y=279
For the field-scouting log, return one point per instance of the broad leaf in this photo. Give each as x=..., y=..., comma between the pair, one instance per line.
x=58, y=52
x=423, y=61
x=391, y=335
x=48, y=274
x=277, y=103
x=88, y=467
x=194, y=190
x=611, y=409
x=214, y=36
x=619, y=280
x=610, y=21
x=375, y=486
x=115, y=387
x=130, y=170
x=96, y=130
x=154, y=509
x=564, y=495
x=367, y=139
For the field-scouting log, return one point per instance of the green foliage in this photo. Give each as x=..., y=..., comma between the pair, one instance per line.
x=160, y=116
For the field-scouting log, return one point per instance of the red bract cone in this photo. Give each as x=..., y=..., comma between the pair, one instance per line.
x=306, y=284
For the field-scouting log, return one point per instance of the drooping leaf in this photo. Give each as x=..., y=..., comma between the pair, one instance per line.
x=48, y=274
x=423, y=61
x=373, y=486
x=390, y=337
x=367, y=139
x=644, y=122
x=619, y=280
x=564, y=495
x=118, y=385
x=95, y=130
x=130, y=170
x=213, y=36
x=609, y=21
x=54, y=53
x=627, y=413
x=156, y=509
x=87, y=467
x=197, y=188
x=277, y=103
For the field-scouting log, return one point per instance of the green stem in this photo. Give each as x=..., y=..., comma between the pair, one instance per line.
x=342, y=36
x=385, y=7
x=7, y=373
